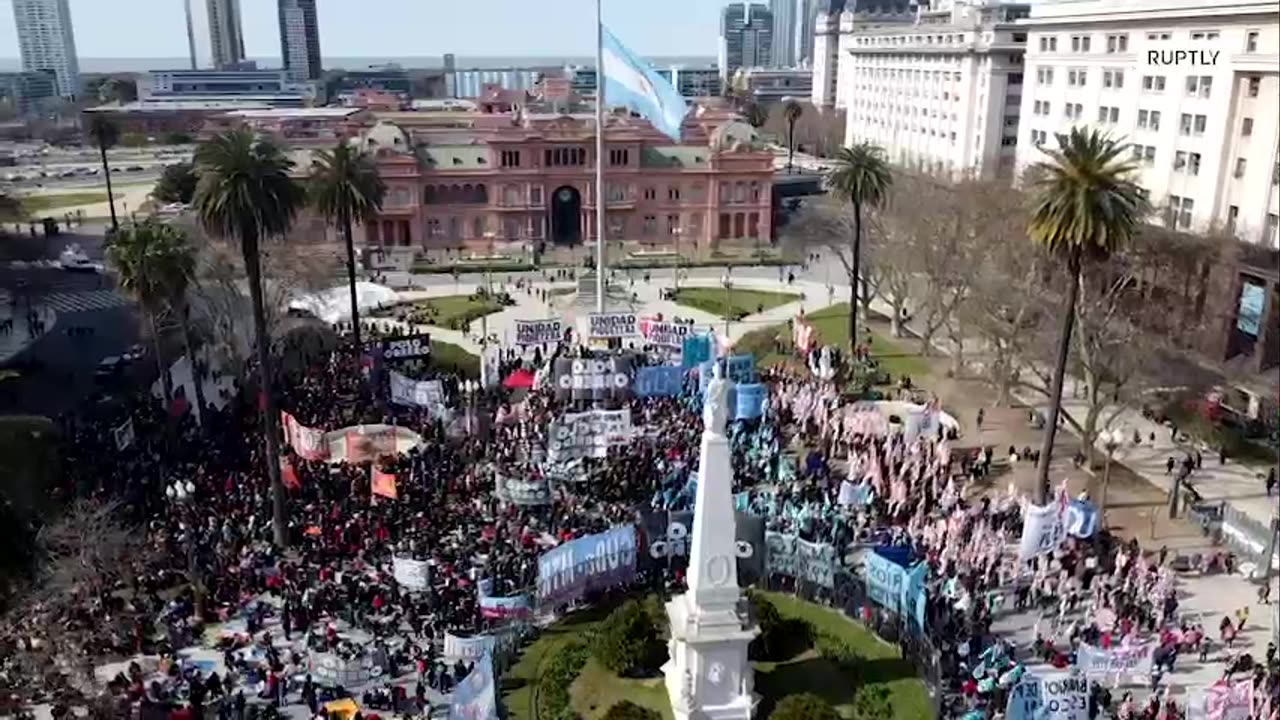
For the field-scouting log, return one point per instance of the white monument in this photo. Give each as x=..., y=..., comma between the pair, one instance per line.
x=708, y=674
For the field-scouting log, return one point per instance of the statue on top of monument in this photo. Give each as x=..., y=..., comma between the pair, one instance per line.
x=719, y=401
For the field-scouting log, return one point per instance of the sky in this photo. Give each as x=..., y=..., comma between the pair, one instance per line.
x=418, y=28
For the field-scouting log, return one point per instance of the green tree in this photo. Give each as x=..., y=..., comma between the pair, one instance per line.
x=627, y=641
x=105, y=135
x=872, y=703
x=246, y=191
x=804, y=706
x=755, y=114
x=627, y=710
x=861, y=178
x=11, y=209
x=345, y=187
x=791, y=111
x=1085, y=206
x=780, y=638
x=154, y=263
x=177, y=184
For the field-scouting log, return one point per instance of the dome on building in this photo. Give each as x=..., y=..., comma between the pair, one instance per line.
x=384, y=135
x=733, y=134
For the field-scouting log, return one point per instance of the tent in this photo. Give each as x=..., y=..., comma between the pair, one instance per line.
x=521, y=379
x=344, y=709
x=334, y=305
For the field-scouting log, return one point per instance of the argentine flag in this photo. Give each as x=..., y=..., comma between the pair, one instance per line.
x=630, y=82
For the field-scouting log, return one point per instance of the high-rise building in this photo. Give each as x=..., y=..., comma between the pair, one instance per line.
x=191, y=34
x=746, y=37
x=806, y=23
x=831, y=36
x=300, y=39
x=46, y=41
x=786, y=31
x=226, y=39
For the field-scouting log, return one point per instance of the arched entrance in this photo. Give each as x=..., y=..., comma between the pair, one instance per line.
x=566, y=216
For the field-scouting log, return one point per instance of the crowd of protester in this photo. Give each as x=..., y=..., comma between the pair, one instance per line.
x=332, y=590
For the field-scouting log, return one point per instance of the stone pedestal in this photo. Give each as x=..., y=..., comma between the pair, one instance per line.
x=708, y=674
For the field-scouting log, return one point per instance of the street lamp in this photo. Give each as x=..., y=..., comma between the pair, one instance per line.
x=181, y=496
x=1111, y=439
x=728, y=300
x=489, y=235
x=675, y=266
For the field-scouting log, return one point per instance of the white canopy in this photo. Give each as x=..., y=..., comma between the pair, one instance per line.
x=334, y=305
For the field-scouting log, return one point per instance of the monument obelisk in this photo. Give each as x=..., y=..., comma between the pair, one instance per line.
x=708, y=674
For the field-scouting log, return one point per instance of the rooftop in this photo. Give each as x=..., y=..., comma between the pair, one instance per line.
x=674, y=157
x=245, y=103
x=457, y=157
x=284, y=113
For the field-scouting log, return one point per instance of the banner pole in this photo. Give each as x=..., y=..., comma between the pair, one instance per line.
x=601, y=193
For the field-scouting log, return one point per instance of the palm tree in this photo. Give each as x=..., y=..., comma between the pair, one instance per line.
x=792, y=111
x=246, y=192
x=345, y=186
x=155, y=263
x=1085, y=206
x=862, y=178
x=105, y=135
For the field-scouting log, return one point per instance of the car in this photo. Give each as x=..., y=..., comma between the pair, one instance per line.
x=135, y=168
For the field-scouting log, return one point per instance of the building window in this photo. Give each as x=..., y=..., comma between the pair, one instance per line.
x=650, y=226
x=565, y=157
x=1233, y=216
x=1205, y=35
x=1077, y=78
x=726, y=225
x=1239, y=169
x=433, y=228
x=673, y=224
x=673, y=192
x=1246, y=127
x=1275, y=174
x=1149, y=119
x=477, y=228
x=617, y=193
x=1273, y=221
x=510, y=195
x=619, y=156
x=1255, y=84
x=1113, y=79
x=1048, y=44
x=1179, y=160
x=1080, y=43
x=511, y=228
x=739, y=192
x=1117, y=43
x=1039, y=137
x=509, y=158
x=650, y=193
x=1072, y=111
x=1251, y=41
x=1153, y=83
x=753, y=225
x=1158, y=36
x=1180, y=212
x=1044, y=76
x=1108, y=114
x=617, y=227
x=535, y=195
x=536, y=226
x=1192, y=124
x=697, y=192
x=755, y=191
x=739, y=226
x=1193, y=163
x=1199, y=86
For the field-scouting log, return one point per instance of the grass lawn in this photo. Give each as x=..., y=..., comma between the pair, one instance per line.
x=453, y=358
x=832, y=325
x=518, y=684
x=808, y=672
x=450, y=311
x=35, y=204
x=597, y=689
x=736, y=304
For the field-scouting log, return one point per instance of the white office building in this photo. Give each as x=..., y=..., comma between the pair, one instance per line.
x=226, y=36
x=941, y=94
x=1203, y=123
x=834, y=20
x=46, y=41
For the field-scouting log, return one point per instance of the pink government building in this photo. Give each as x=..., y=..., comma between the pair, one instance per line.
x=504, y=177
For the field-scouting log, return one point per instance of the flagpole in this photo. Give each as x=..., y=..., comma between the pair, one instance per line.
x=601, y=193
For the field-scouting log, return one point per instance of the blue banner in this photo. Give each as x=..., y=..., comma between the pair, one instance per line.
x=914, y=599
x=742, y=501
x=695, y=350
x=886, y=581
x=1081, y=519
x=751, y=401
x=474, y=697
x=741, y=368
x=505, y=608
x=661, y=381
x=589, y=563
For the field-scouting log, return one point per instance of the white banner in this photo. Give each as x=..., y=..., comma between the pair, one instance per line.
x=665, y=334
x=603, y=326
x=471, y=648
x=1222, y=701
x=535, y=491
x=537, y=332
x=587, y=434
x=124, y=434
x=411, y=574
x=1043, y=530
x=1049, y=697
x=309, y=443
x=420, y=393
x=1130, y=660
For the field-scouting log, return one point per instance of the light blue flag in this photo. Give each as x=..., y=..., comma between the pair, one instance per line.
x=630, y=82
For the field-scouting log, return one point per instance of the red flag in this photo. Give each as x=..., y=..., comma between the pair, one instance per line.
x=179, y=407
x=288, y=475
x=383, y=484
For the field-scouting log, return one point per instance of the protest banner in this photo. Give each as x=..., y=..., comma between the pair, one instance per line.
x=1049, y=697
x=505, y=608
x=538, y=332
x=695, y=350
x=308, y=443
x=408, y=348
x=591, y=379
x=857, y=494
x=665, y=334
x=530, y=491
x=587, y=434
x=412, y=575
x=468, y=648
x=1081, y=519
x=740, y=369
x=886, y=581
x=750, y=401
x=1222, y=701
x=1127, y=660
x=588, y=563
x=124, y=434
x=803, y=560
x=382, y=483
x=1042, y=530
x=417, y=393
x=659, y=381
x=474, y=698
x=666, y=535
x=605, y=326
x=368, y=445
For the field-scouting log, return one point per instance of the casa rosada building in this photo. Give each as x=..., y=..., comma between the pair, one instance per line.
x=476, y=181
